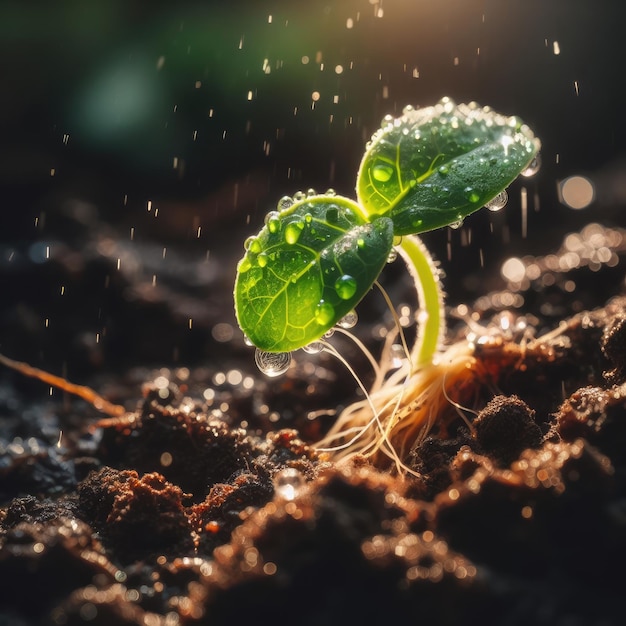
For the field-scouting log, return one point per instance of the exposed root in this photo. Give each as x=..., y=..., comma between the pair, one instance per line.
x=398, y=414
x=86, y=393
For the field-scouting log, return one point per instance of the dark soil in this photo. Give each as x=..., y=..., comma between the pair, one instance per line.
x=208, y=504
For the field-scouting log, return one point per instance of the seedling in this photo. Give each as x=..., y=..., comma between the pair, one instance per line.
x=318, y=255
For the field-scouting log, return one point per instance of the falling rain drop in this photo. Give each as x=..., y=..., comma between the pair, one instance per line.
x=499, y=202
x=533, y=167
x=272, y=363
x=349, y=320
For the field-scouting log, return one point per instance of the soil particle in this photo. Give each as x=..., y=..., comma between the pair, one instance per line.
x=506, y=427
x=613, y=346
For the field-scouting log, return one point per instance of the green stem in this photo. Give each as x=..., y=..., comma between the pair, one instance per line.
x=431, y=324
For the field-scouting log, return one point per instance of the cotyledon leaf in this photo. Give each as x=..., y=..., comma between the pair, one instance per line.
x=432, y=167
x=310, y=265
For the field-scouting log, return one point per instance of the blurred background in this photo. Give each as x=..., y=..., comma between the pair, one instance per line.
x=141, y=142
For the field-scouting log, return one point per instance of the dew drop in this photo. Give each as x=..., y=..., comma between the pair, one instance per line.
x=444, y=170
x=247, y=341
x=284, y=203
x=262, y=259
x=324, y=313
x=456, y=225
x=349, y=320
x=273, y=222
x=499, y=202
x=315, y=347
x=331, y=192
x=533, y=167
x=329, y=333
x=471, y=195
x=244, y=265
x=288, y=482
x=393, y=255
x=272, y=363
x=310, y=193
x=308, y=218
x=299, y=196
x=360, y=243
x=382, y=172
x=345, y=286
x=293, y=230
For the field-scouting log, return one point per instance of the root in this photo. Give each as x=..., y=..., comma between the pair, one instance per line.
x=86, y=393
x=396, y=416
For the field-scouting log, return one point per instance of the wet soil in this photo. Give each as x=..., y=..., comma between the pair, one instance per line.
x=206, y=502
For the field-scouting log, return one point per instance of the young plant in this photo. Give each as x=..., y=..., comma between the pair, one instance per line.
x=318, y=255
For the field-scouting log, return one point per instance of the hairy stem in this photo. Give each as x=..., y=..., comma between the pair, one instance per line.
x=431, y=325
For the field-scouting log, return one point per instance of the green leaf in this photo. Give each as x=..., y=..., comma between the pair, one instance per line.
x=434, y=166
x=309, y=266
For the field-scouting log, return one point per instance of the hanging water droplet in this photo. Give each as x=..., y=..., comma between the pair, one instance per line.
x=499, y=202
x=284, y=203
x=533, y=167
x=293, y=230
x=310, y=193
x=393, y=255
x=288, y=482
x=349, y=320
x=272, y=363
x=315, y=347
x=324, y=313
x=382, y=172
x=329, y=333
x=397, y=355
x=456, y=225
x=345, y=286
x=247, y=341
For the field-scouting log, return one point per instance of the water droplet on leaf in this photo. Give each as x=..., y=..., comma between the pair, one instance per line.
x=471, y=195
x=293, y=230
x=284, y=203
x=382, y=172
x=345, y=286
x=324, y=313
x=272, y=363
